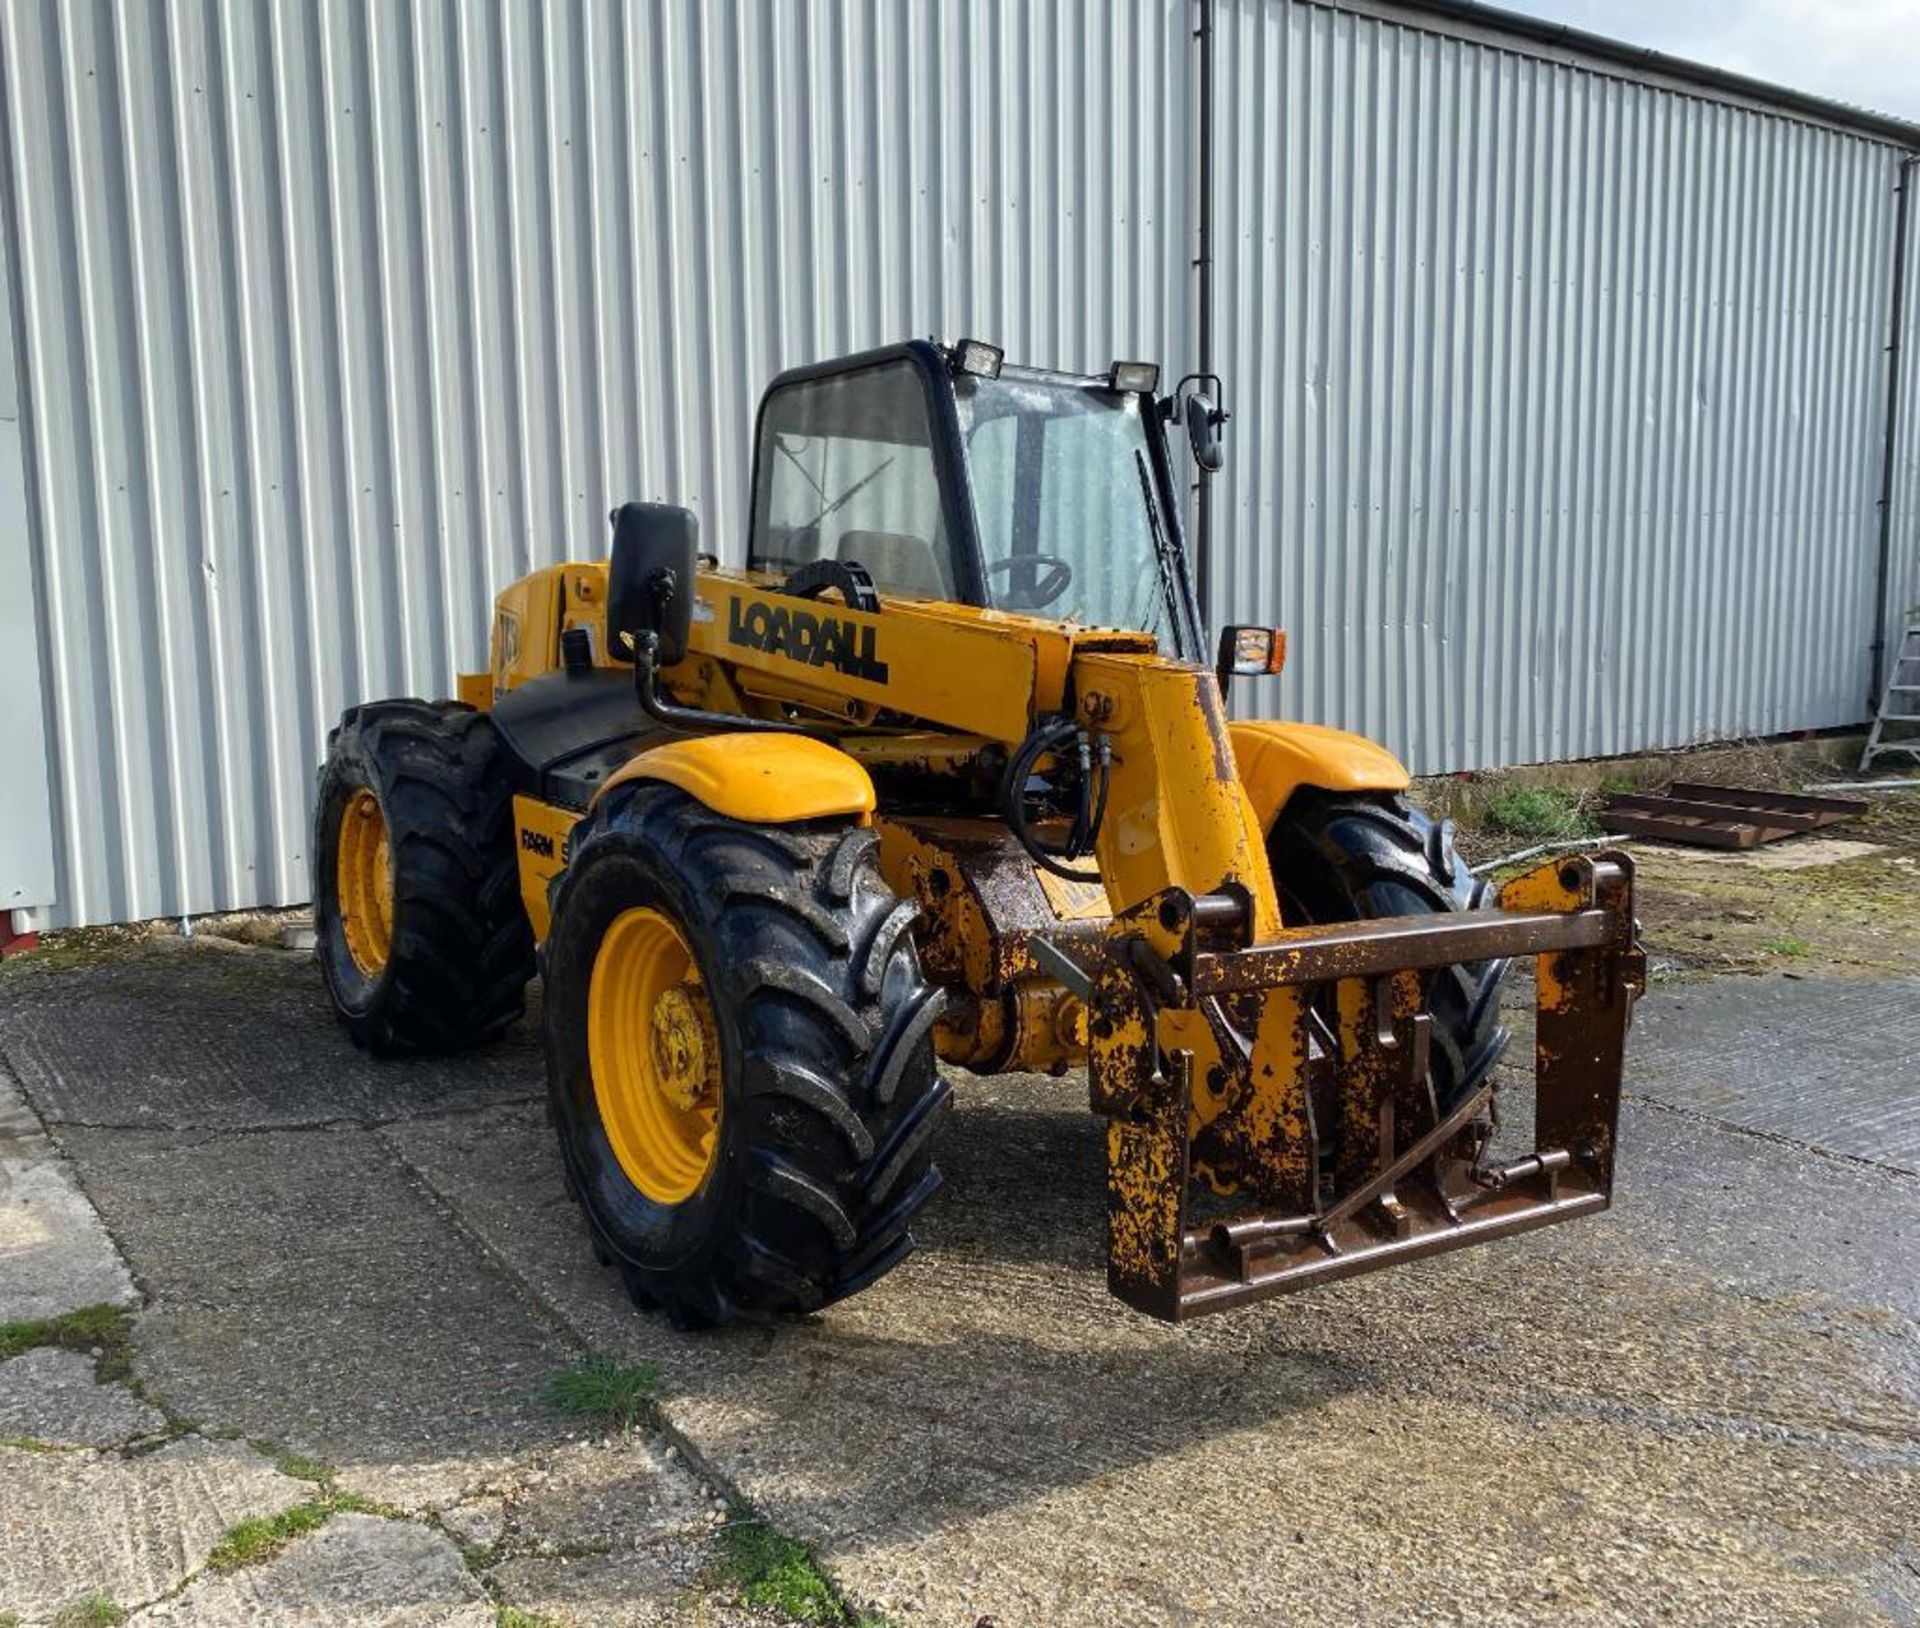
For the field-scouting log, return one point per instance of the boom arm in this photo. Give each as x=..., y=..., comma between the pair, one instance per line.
x=1177, y=815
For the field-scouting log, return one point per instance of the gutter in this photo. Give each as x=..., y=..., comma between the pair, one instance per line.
x=1470, y=19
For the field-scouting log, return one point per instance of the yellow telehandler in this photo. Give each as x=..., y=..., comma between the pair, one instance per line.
x=944, y=774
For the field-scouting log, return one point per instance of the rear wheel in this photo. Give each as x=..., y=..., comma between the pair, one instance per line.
x=1356, y=857
x=416, y=897
x=739, y=1057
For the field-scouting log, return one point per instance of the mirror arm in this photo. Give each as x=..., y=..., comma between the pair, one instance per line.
x=661, y=587
x=653, y=702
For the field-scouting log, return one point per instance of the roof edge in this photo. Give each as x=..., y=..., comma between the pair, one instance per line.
x=1494, y=25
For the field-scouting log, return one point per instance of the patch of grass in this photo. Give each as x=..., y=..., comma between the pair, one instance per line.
x=9, y=1619
x=109, y=1329
x=1786, y=944
x=773, y=1572
x=511, y=1616
x=611, y=1394
x=95, y=1611
x=260, y=1535
x=1540, y=814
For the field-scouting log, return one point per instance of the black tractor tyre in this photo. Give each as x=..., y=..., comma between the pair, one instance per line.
x=461, y=949
x=1357, y=857
x=829, y=1093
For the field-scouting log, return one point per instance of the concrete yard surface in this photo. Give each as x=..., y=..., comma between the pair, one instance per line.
x=1701, y=1406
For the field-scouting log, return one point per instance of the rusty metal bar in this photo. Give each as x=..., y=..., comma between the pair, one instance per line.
x=1781, y=819
x=1415, y=1155
x=1797, y=802
x=1686, y=829
x=1210, y=1285
x=1366, y=949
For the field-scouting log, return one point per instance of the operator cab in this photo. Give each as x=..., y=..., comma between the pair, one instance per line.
x=948, y=476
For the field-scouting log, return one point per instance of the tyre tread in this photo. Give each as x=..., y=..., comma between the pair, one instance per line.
x=1341, y=857
x=462, y=950
x=837, y=1076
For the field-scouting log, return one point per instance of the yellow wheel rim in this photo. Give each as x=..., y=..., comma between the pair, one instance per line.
x=363, y=869
x=655, y=1056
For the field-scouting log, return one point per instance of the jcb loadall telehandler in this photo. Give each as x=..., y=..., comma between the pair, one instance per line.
x=942, y=773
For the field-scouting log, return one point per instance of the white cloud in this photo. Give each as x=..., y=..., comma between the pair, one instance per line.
x=1866, y=52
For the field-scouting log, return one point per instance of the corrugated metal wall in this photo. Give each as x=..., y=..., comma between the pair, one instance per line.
x=1558, y=396
x=339, y=316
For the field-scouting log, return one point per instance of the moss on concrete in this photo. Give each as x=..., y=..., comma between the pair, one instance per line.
x=102, y=1328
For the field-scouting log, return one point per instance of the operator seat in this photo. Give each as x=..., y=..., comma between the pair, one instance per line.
x=897, y=562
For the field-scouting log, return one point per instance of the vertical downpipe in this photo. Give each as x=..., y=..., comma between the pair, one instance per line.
x=1203, y=267
x=1883, y=579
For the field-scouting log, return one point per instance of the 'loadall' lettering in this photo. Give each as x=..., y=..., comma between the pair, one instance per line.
x=801, y=635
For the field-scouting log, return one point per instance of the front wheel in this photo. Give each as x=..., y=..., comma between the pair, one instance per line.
x=739, y=1057
x=1359, y=857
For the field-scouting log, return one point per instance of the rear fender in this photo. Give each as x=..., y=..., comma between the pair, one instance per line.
x=758, y=779
x=1276, y=759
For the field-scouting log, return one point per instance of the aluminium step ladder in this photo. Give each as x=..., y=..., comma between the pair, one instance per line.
x=1900, y=706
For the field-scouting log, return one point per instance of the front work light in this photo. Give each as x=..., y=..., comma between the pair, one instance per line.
x=977, y=357
x=1142, y=378
x=1250, y=652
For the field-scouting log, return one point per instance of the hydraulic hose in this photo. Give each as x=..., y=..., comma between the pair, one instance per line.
x=1093, y=760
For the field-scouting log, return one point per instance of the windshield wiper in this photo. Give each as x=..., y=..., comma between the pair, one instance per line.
x=792, y=457
x=848, y=495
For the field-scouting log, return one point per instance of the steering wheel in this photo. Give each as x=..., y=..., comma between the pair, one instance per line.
x=1056, y=579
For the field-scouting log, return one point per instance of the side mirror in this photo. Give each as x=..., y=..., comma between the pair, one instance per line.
x=656, y=552
x=1205, y=417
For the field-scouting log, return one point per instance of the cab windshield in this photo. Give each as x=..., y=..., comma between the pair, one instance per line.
x=1067, y=508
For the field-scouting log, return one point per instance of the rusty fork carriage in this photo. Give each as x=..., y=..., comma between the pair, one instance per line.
x=1343, y=1037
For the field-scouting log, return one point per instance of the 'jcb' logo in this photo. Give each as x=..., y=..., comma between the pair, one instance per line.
x=801, y=635
x=536, y=842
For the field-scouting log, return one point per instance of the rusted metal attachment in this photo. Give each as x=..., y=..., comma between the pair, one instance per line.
x=1723, y=816
x=1320, y=1107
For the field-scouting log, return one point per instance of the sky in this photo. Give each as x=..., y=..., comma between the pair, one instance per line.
x=1866, y=52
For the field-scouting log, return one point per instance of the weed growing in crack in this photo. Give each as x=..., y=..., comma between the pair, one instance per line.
x=259, y=1536
x=297, y=1465
x=613, y=1395
x=771, y=1571
x=106, y=1329
x=95, y=1611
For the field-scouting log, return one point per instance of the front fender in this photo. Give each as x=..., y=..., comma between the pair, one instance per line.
x=1276, y=759
x=758, y=779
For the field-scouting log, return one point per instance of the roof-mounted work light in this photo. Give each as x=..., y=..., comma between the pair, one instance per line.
x=1142, y=378
x=977, y=357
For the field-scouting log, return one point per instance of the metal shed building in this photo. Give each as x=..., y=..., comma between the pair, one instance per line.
x=1561, y=373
